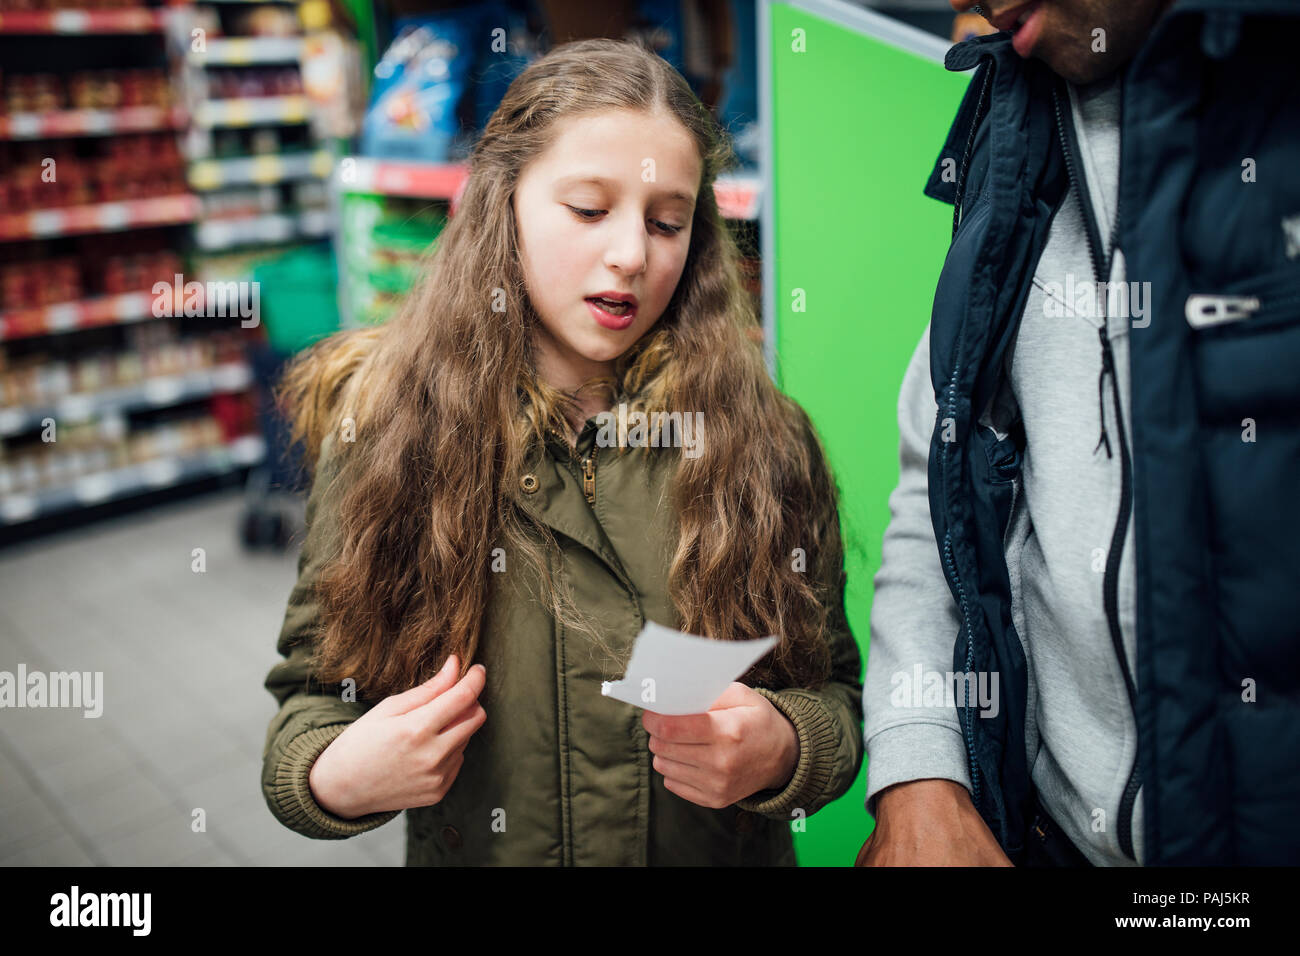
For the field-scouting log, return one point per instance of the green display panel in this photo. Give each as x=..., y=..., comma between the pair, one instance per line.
x=857, y=106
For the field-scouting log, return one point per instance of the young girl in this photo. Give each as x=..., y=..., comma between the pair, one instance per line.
x=483, y=545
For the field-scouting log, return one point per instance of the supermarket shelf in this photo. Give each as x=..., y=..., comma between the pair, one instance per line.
x=137, y=20
x=213, y=235
x=58, y=123
x=251, y=110
x=83, y=314
x=133, y=479
x=240, y=51
x=215, y=173
x=100, y=217
x=151, y=393
x=739, y=197
x=391, y=177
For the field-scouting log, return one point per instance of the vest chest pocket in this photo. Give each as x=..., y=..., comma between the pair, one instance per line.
x=1246, y=346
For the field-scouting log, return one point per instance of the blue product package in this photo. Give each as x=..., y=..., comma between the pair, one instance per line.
x=660, y=22
x=508, y=50
x=738, y=110
x=418, y=86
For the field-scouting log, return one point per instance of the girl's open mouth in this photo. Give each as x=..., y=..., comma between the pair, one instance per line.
x=610, y=313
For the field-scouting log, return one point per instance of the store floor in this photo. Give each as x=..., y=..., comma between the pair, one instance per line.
x=183, y=656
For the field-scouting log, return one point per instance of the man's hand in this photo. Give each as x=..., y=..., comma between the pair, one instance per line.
x=740, y=746
x=929, y=823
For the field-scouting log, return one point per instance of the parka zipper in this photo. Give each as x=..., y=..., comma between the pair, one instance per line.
x=589, y=478
x=1110, y=583
x=587, y=464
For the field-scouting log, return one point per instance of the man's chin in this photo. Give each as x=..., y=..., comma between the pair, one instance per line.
x=1079, y=68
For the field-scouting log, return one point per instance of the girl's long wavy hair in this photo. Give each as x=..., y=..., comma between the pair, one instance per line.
x=446, y=405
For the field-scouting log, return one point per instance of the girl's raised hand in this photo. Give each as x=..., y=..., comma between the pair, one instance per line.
x=740, y=746
x=405, y=751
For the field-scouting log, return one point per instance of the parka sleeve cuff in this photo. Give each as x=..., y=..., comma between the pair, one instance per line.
x=292, y=796
x=816, y=729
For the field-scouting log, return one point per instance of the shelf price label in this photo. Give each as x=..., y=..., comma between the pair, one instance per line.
x=76, y=408
x=320, y=164
x=205, y=174
x=294, y=109
x=45, y=222
x=17, y=507
x=60, y=318
x=214, y=234
x=266, y=169
x=96, y=121
x=160, y=472
x=11, y=420
x=163, y=391
x=115, y=215
x=238, y=113
x=131, y=305
x=229, y=378
x=69, y=21
x=238, y=50
x=93, y=488
x=25, y=125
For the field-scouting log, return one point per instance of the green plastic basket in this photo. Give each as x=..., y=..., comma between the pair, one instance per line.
x=299, y=298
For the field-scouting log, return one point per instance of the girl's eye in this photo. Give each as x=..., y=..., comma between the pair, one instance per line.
x=590, y=215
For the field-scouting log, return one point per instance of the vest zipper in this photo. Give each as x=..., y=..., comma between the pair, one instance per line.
x=959, y=194
x=1103, y=260
x=968, y=727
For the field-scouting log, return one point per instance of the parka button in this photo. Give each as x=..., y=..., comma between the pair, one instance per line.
x=451, y=837
x=744, y=822
x=529, y=483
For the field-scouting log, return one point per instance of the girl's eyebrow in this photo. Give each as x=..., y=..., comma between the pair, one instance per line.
x=602, y=181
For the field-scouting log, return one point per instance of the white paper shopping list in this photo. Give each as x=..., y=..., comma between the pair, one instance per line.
x=675, y=673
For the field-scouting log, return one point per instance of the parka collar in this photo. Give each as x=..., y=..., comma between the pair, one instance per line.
x=550, y=491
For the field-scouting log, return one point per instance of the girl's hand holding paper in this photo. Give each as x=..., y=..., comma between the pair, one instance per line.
x=740, y=746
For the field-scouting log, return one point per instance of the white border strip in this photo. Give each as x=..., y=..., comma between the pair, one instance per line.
x=872, y=24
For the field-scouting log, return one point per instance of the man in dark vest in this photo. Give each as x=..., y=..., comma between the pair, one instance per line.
x=1085, y=637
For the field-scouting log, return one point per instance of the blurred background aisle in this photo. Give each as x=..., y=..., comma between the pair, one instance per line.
x=184, y=715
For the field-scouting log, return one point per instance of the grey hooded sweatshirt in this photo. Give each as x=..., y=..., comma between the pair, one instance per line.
x=1080, y=734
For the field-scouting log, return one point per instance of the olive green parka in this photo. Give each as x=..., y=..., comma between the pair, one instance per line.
x=559, y=774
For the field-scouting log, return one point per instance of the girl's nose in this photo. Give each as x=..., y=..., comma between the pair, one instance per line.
x=627, y=247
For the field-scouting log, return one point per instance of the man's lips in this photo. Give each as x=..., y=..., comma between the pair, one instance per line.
x=1027, y=34
x=1024, y=22
x=1008, y=20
